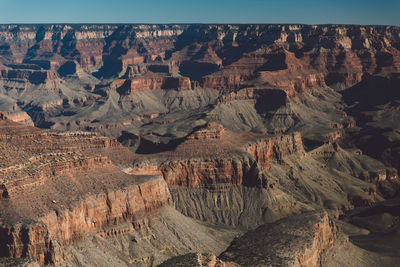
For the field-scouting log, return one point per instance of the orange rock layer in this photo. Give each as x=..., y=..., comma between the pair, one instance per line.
x=58, y=188
x=212, y=155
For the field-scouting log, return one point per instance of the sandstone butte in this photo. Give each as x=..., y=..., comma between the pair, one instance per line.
x=199, y=145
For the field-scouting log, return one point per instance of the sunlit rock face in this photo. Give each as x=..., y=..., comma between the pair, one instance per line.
x=134, y=144
x=51, y=70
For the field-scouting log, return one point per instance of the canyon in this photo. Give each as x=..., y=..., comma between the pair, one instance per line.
x=199, y=145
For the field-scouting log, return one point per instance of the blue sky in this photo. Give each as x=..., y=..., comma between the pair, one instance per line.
x=386, y=12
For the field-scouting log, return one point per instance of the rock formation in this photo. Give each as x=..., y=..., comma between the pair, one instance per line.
x=303, y=241
x=68, y=65
x=53, y=195
x=310, y=239
x=141, y=144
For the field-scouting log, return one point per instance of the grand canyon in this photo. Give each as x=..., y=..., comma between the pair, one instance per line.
x=199, y=145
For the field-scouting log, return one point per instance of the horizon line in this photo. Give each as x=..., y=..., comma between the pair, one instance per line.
x=195, y=23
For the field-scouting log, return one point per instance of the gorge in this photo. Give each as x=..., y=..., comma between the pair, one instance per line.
x=199, y=145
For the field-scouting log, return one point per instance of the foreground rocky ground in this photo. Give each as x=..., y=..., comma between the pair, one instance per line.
x=207, y=145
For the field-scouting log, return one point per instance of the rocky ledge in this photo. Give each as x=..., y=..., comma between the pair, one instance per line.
x=51, y=200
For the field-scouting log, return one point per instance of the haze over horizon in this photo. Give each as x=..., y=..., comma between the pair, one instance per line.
x=368, y=12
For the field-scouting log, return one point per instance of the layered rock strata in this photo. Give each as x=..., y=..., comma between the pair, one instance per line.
x=217, y=116
x=248, y=179
x=76, y=62
x=52, y=198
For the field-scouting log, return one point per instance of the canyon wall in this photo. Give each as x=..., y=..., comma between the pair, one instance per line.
x=233, y=125
x=55, y=191
x=113, y=78
x=323, y=55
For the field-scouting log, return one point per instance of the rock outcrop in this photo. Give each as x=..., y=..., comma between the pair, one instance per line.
x=301, y=241
x=211, y=155
x=248, y=179
x=52, y=198
x=153, y=82
x=236, y=126
x=275, y=149
x=310, y=239
x=72, y=63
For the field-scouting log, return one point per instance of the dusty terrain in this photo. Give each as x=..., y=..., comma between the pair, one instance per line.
x=207, y=145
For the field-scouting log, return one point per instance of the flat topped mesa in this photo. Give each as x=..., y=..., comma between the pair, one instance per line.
x=211, y=130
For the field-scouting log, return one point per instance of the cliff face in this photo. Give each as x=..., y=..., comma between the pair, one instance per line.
x=321, y=54
x=275, y=149
x=248, y=179
x=210, y=155
x=73, y=76
x=32, y=76
x=304, y=241
x=235, y=125
x=98, y=212
x=46, y=239
x=55, y=191
x=234, y=169
x=84, y=43
x=153, y=83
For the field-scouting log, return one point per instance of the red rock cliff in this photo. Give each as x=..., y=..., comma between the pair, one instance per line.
x=55, y=191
